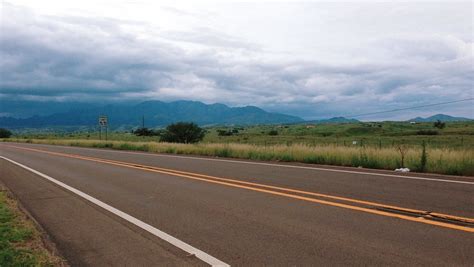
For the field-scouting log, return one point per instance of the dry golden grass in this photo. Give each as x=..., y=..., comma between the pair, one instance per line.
x=440, y=160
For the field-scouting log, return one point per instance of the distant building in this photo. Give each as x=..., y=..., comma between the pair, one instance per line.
x=310, y=126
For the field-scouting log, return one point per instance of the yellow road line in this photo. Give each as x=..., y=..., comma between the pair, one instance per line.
x=255, y=187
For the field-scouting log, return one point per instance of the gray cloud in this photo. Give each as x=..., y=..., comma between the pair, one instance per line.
x=73, y=58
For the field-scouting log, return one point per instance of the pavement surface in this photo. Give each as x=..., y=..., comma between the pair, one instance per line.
x=239, y=212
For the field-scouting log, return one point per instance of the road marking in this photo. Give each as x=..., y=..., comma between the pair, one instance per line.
x=255, y=187
x=156, y=232
x=278, y=165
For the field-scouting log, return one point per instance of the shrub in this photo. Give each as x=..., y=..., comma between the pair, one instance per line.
x=144, y=132
x=402, y=149
x=427, y=132
x=225, y=133
x=4, y=133
x=273, y=132
x=183, y=132
x=424, y=158
x=439, y=124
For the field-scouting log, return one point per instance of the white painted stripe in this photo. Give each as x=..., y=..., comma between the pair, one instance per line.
x=279, y=165
x=168, y=238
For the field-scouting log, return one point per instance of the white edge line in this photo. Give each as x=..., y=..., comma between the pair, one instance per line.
x=166, y=237
x=276, y=165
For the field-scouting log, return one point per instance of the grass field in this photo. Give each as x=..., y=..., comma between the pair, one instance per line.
x=384, y=134
x=370, y=145
x=20, y=242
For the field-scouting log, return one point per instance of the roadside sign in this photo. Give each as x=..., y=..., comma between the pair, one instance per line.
x=103, y=121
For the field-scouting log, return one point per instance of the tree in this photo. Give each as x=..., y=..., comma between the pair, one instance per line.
x=4, y=133
x=439, y=124
x=183, y=132
x=144, y=132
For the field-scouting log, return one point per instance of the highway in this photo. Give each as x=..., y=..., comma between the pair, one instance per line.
x=107, y=207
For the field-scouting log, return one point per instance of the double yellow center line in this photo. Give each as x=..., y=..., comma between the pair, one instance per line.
x=432, y=218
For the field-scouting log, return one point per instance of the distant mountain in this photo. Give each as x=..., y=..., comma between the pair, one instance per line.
x=441, y=117
x=334, y=120
x=26, y=108
x=156, y=113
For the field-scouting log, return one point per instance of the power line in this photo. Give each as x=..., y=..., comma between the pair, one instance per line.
x=414, y=107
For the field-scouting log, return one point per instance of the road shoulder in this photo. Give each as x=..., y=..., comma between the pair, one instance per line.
x=85, y=234
x=23, y=240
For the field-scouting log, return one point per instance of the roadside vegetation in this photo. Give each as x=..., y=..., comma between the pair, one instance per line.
x=433, y=160
x=374, y=134
x=182, y=132
x=4, y=133
x=421, y=147
x=20, y=242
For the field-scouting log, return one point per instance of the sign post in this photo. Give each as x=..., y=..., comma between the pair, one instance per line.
x=103, y=122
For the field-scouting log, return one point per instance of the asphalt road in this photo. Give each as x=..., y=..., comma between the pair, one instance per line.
x=239, y=212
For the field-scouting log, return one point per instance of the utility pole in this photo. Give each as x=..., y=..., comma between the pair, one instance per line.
x=143, y=121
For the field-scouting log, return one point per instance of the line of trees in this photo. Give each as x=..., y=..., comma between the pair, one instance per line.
x=180, y=132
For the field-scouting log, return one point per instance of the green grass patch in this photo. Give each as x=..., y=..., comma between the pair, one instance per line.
x=20, y=242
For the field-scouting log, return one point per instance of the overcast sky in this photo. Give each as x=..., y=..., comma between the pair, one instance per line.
x=310, y=59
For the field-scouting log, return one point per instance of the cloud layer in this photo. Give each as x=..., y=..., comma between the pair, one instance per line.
x=71, y=58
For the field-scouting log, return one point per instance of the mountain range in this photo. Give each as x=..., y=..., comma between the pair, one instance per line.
x=28, y=114
x=441, y=117
x=155, y=113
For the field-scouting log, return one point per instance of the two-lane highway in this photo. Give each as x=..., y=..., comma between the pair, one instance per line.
x=238, y=212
